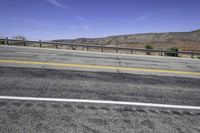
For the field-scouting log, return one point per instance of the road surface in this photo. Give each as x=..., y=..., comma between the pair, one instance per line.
x=47, y=73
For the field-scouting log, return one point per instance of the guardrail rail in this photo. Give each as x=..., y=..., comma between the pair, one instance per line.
x=162, y=52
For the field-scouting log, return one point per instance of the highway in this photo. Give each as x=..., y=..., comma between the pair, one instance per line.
x=98, y=77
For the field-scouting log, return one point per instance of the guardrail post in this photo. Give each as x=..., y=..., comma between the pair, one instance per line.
x=40, y=43
x=101, y=49
x=147, y=53
x=131, y=51
x=192, y=55
x=24, y=42
x=7, y=42
x=176, y=54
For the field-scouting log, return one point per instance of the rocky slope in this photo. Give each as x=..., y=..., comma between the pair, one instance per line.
x=182, y=40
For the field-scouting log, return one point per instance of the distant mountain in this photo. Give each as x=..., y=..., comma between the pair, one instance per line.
x=182, y=40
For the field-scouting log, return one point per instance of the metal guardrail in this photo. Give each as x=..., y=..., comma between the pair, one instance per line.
x=87, y=46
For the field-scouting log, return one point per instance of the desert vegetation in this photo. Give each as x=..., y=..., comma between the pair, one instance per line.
x=148, y=47
x=173, y=52
x=184, y=41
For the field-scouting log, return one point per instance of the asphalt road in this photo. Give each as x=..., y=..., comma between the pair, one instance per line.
x=94, y=58
x=28, y=80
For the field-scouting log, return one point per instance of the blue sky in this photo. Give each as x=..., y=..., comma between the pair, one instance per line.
x=53, y=19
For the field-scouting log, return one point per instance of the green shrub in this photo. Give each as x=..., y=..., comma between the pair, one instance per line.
x=173, y=52
x=2, y=42
x=17, y=42
x=20, y=42
x=19, y=37
x=148, y=47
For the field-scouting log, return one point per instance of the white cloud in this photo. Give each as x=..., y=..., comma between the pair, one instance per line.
x=90, y=26
x=87, y=27
x=35, y=22
x=32, y=21
x=144, y=17
x=170, y=11
x=72, y=27
x=80, y=18
x=57, y=3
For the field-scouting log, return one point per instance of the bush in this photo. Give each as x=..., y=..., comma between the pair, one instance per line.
x=19, y=37
x=173, y=52
x=17, y=42
x=2, y=42
x=148, y=47
x=21, y=40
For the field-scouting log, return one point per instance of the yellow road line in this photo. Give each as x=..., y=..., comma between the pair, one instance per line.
x=101, y=67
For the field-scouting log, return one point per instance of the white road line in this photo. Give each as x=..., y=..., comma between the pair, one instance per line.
x=99, y=102
x=30, y=53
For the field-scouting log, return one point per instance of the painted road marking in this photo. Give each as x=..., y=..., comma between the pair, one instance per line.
x=99, y=102
x=30, y=53
x=100, y=67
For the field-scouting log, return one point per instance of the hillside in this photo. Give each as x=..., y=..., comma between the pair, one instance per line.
x=182, y=40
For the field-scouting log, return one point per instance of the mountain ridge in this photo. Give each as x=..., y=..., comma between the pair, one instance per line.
x=182, y=40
